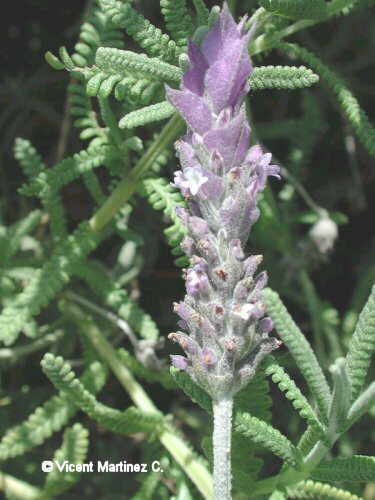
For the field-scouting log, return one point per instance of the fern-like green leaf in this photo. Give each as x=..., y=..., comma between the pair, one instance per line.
x=146, y=115
x=73, y=450
x=308, y=440
x=49, y=418
x=122, y=422
x=361, y=405
x=300, y=350
x=150, y=38
x=148, y=489
x=118, y=299
x=11, y=240
x=348, y=103
x=123, y=62
x=341, y=396
x=282, y=77
x=33, y=167
x=163, y=196
x=356, y=468
x=291, y=391
x=202, y=12
x=177, y=20
x=191, y=389
x=264, y=434
x=362, y=346
x=47, y=281
x=253, y=399
x=314, y=490
x=28, y=157
x=65, y=172
x=96, y=31
x=296, y=9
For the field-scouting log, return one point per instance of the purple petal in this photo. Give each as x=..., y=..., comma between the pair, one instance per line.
x=193, y=79
x=212, y=43
x=186, y=154
x=208, y=357
x=194, y=110
x=179, y=362
x=242, y=146
x=265, y=325
x=227, y=76
x=226, y=139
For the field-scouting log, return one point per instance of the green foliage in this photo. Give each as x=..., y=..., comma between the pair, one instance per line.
x=311, y=489
x=122, y=422
x=147, y=115
x=356, y=468
x=288, y=386
x=147, y=490
x=49, y=418
x=177, y=20
x=296, y=9
x=361, y=405
x=38, y=258
x=124, y=62
x=10, y=239
x=163, y=196
x=348, y=103
x=191, y=389
x=264, y=434
x=28, y=157
x=117, y=298
x=282, y=77
x=150, y=38
x=300, y=350
x=202, y=12
x=139, y=370
x=74, y=450
x=46, y=282
x=362, y=346
x=341, y=396
x=253, y=400
x=53, y=179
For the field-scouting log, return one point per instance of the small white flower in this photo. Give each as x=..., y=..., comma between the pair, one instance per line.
x=324, y=233
x=194, y=179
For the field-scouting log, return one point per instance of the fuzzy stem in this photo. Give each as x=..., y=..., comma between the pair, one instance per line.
x=222, y=448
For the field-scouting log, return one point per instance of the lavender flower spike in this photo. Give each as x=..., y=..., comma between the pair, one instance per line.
x=220, y=179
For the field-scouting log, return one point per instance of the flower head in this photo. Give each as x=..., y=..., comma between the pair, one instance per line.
x=221, y=178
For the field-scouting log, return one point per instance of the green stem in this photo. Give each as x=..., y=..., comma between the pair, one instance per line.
x=18, y=489
x=197, y=472
x=129, y=184
x=266, y=42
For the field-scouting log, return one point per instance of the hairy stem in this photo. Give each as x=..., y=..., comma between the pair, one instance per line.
x=222, y=448
x=129, y=184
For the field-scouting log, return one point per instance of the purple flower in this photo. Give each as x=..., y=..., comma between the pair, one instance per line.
x=221, y=178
